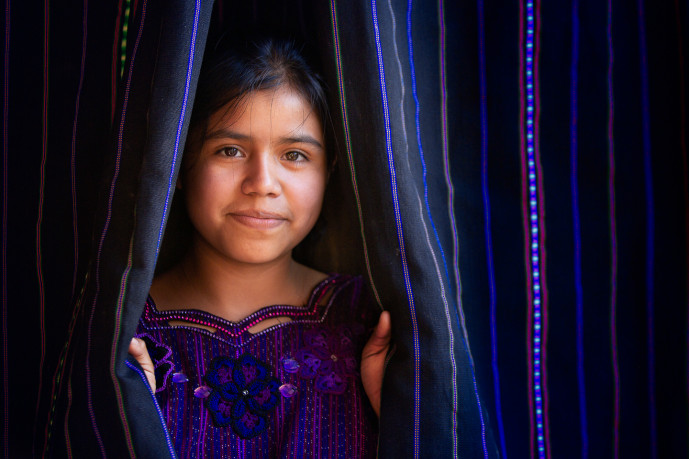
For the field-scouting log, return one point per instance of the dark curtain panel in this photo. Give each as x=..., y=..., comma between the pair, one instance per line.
x=512, y=180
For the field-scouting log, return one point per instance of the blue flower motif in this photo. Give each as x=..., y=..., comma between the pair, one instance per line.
x=243, y=394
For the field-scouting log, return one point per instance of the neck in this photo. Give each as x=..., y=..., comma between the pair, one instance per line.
x=207, y=280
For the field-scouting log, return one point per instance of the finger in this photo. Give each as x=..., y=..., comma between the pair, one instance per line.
x=380, y=339
x=137, y=349
x=384, y=328
x=373, y=360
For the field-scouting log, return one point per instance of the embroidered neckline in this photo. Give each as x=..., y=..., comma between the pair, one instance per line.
x=314, y=311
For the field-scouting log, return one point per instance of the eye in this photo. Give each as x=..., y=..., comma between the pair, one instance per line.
x=230, y=152
x=295, y=156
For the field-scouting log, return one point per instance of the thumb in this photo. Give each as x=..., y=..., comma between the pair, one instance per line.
x=137, y=349
x=373, y=360
x=380, y=339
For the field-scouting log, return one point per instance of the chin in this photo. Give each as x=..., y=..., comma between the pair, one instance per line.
x=257, y=257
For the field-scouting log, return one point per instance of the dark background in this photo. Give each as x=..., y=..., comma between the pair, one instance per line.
x=433, y=176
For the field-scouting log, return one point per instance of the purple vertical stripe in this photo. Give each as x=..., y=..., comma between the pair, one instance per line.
x=41, y=197
x=650, y=228
x=5, y=153
x=400, y=234
x=488, y=231
x=75, y=227
x=180, y=123
x=578, y=284
x=350, y=159
x=114, y=348
x=59, y=371
x=613, y=238
x=123, y=284
x=221, y=14
x=449, y=185
x=106, y=226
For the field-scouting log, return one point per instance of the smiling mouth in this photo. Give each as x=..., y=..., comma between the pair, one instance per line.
x=258, y=219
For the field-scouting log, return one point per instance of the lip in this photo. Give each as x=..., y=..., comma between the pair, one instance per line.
x=258, y=219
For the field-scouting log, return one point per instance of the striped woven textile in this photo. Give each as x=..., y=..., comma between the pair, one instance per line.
x=512, y=182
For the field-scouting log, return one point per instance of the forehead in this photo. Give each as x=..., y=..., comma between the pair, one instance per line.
x=272, y=111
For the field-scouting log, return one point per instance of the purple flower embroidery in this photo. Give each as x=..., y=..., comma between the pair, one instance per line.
x=243, y=394
x=160, y=355
x=329, y=358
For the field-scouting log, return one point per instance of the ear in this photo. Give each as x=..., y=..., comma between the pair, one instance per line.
x=178, y=185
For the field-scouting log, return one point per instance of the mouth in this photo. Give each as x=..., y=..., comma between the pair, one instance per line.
x=258, y=219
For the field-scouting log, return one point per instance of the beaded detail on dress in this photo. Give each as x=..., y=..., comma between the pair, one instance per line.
x=290, y=390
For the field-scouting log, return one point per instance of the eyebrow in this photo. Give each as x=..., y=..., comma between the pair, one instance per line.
x=226, y=134
x=230, y=134
x=301, y=139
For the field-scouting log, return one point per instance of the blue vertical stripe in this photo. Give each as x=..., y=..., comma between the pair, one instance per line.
x=487, y=230
x=417, y=120
x=400, y=234
x=613, y=240
x=650, y=228
x=578, y=286
x=180, y=123
x=141, y=374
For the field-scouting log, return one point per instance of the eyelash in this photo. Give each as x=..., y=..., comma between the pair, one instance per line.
x=238, y=154
x=223, y=151
x=301, y=156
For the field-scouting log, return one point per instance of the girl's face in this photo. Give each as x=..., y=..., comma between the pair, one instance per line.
x=255, y=188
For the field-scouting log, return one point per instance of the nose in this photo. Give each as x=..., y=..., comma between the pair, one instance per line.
x=261, y=177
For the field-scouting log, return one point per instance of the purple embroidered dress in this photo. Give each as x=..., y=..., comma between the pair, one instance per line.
x=291, y=390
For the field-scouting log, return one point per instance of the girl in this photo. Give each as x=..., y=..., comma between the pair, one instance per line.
x=250, y=353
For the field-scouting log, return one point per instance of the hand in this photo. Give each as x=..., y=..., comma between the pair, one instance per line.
x=373, y=360
x=137, y=349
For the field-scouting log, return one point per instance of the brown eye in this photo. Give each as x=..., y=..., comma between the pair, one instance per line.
x=230, y=152
x=294, y=156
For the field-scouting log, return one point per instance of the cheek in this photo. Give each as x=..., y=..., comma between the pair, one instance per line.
x=206, y=192
x=309, y=196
